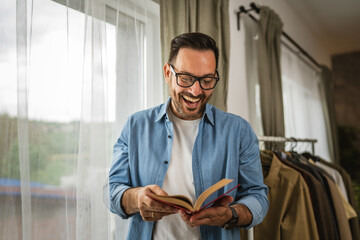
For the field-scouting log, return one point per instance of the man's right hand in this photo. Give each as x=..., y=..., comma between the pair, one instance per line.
x=137, y=200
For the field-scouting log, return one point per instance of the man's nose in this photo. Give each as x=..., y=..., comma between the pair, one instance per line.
x=195, y=89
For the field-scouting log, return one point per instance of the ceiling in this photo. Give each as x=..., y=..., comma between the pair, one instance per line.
x=336, y=23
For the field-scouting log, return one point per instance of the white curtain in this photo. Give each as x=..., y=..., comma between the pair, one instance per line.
x=303, y=110
x=71, y=72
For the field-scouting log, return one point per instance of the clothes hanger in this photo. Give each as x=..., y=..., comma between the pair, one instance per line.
x=266, y=154
x=266, y=159
x=308, y=156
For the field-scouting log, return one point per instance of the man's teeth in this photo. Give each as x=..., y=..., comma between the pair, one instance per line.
x=190, y=99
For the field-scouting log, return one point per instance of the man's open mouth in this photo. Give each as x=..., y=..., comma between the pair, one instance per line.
x=191, y=99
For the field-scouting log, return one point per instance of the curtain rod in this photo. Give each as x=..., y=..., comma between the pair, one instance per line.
x=255, y=8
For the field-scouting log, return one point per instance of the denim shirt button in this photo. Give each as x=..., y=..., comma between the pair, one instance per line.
x=169, y=136
x=166, y=162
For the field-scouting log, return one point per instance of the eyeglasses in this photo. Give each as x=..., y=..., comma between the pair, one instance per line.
x=187, y=80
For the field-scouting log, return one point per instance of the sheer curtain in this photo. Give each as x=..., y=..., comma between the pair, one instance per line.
x=303, y=110
x=71, y=72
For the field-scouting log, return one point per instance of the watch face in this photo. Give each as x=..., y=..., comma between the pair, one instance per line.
x=233, y=223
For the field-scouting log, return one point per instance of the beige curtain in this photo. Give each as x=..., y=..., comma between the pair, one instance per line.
x=329, y=112
x=270, y=28
x=207, y=16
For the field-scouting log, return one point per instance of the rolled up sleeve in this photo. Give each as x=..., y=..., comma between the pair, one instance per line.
x=253, y=190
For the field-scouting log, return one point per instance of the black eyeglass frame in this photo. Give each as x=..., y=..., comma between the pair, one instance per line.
x=195, y=78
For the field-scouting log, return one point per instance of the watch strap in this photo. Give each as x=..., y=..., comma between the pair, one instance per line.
x=233, y=220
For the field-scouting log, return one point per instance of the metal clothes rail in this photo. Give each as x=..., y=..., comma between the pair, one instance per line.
x=292, y=139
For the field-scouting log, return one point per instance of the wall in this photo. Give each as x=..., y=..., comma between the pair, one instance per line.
x=293, y=26
x=346, y=78
x=346, y=91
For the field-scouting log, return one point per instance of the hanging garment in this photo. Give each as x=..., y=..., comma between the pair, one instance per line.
x=349, y=210
x=312, y=169
x=290, y=214
x=340, y=186
x=324, y=219
x=354, y=222
x=336, y=176
x=338, y=207
x=335, y=199
x=344, y=227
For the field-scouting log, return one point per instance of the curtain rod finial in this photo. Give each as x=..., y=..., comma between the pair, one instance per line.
x=254, y=7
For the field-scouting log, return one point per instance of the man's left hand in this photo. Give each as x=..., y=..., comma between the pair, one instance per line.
x=216, y=215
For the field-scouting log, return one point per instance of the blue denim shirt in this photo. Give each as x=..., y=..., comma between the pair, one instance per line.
x=225, y=147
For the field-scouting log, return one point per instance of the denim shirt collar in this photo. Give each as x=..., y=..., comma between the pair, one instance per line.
x=208, y=113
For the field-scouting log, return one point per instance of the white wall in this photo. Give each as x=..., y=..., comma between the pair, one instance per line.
x=293, y=26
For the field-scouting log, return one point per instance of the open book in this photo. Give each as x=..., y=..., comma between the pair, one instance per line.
x=183, y=202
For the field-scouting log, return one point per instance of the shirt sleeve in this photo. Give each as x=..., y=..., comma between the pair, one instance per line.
x=253, y=192
x=119, y=175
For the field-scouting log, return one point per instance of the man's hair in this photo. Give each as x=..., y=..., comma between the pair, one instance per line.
x=196, y=41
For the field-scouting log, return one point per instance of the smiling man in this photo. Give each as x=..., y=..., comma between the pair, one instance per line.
x=183, y=147
x=190, y=94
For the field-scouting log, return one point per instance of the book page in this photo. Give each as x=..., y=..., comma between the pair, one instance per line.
x=210, y=191
x=179, y=200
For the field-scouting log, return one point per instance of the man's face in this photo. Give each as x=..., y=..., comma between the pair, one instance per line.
x=189, y=103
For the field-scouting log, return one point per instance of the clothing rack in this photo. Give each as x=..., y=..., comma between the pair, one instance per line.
x=292, y=139
x=255, y=8
x=250, y=235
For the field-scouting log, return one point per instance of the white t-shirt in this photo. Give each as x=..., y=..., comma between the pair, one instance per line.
x=179, y=179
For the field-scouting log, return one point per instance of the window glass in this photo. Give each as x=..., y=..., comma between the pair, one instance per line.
x=70, y=112
x=304, y=116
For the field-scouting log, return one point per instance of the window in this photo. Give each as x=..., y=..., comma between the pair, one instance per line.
x=84, y=77
x=303, y=112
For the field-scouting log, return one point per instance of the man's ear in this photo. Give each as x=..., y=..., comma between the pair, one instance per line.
x=167, y=72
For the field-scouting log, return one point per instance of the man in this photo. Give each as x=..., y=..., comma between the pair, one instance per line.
x=183, y=147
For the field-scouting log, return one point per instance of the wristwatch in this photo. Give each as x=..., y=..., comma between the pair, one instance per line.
x=233, y=220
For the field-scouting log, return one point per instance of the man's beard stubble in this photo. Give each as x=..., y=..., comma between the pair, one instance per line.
x=197, y=114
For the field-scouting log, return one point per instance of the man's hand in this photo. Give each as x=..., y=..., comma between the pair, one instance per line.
x=137, y=200
x=218, y=214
